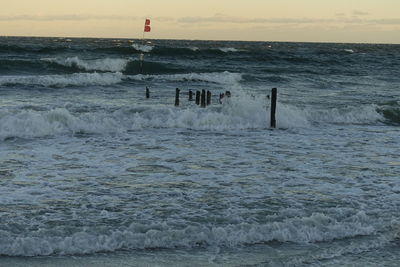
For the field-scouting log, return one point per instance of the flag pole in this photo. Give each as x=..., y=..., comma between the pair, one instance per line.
x=141, y=56
x=146, y=28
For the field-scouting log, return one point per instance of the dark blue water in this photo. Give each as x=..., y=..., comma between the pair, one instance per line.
x=90, y=168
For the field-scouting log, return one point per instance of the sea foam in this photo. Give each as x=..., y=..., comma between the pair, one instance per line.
x=142, y=48
x=236, y=113
x=228, y=49
x=76, y=79
x=315, y=228
x=225, y=77
x=106, y=64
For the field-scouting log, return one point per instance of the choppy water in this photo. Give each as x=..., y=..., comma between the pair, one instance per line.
x=91, y=169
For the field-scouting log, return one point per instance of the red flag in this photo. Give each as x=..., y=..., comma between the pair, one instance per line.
x=147, y=28
x=147, y=22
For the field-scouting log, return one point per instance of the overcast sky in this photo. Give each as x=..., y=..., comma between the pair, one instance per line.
x=372, y=21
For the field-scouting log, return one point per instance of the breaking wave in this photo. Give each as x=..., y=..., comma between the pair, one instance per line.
x=315, y=228
x=237, y=113
x=108, y=78
x=107, y=64
x=76, y=65
x=214, y=77
x=59, y=81
x=348, y=115
x=142, y=48
x=228, y=49
x=391, y=112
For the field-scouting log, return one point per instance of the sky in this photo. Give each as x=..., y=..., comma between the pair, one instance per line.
x=355, y=21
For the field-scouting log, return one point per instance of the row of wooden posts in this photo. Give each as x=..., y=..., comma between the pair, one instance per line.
x=202, y=96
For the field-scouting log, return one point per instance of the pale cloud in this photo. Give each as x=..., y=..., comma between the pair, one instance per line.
x=386, y=21
x=82, y=17
x=357, y=18
x=339, y=19
x=360, y=13
x=229, y=19
x=164, y=19
x=67, y=17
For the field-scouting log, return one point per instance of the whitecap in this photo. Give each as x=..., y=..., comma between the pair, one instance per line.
x=143, y=48
x=106, y=64
x=76, y=79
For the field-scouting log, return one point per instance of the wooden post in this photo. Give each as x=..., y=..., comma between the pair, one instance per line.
x=141, y=59
x=190, y=95
x=177, y=97
x=197, y=97
x=221, y=95
x=208, y=97
x=203, y=98
x=147, y=93
x=273, y=107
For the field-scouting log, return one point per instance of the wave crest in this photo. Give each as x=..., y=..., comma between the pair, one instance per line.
x=142, y=48
x=213, y=77
x=59, y=81
x=237, y=113
x=315, y=228
x=107, y=64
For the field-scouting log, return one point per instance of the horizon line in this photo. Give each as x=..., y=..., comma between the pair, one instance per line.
x=211, y=40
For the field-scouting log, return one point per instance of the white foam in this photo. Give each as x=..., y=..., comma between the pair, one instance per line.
x=236, y=113
x=228, y=49
x=76, y=79
x=143, y=48
x=106, y=64
x=288, y=116
x=30, y=124
x=315, y=228
x=214, y=77
x=348, y=115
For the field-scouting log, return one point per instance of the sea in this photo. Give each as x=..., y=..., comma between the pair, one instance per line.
x=93, y=173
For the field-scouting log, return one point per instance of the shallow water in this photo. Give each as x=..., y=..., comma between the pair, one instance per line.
x=93, y=173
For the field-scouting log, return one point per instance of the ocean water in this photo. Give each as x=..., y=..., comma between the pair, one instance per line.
x=94, y=174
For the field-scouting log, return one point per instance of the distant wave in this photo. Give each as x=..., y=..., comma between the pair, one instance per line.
x=76, y=79
x=68, y=65
x=160, y=50
x=106, y=64
x=12, y=66
x=110, y=78
x=142, y=48
x=42, y=49
x=228, y=49
x=192, y=51
x=214, y=77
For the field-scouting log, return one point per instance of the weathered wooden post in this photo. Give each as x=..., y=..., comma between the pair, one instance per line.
x=273, y=107
x=197, y=97
x=208, y=97
x=203, y=98
x=177, y=97
x=147, y=93
x=190, y=95
x=221, y=95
